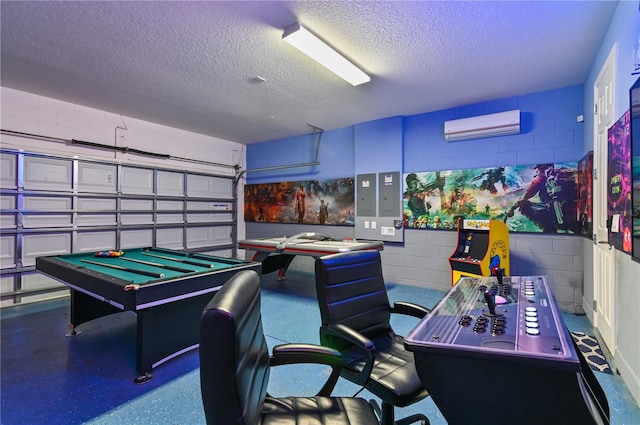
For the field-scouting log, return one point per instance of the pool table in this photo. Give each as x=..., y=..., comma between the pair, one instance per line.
x=278, y=252
x=167, y=289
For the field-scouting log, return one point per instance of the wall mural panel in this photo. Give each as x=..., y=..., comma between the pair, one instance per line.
x=528, y=198
x=634, y=95
x=327, y=202
x=585, y=194
x=619, y=184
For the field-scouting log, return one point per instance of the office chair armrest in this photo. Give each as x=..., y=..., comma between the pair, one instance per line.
x=286, y=354
x=342, y=335
x=348, y=334
x=305, y=353
x=410, y=309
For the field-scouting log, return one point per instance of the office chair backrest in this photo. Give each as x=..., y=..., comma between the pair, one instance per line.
x=351, y=291
x=234, y=358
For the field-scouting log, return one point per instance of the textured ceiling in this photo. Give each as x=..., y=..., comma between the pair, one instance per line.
x=193, y=65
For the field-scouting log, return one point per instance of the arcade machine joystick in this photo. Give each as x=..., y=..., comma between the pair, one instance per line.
x=502, y=290
x=490, y=299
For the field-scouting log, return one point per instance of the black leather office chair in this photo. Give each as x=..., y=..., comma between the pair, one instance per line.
x=234, y=367
x=355, y=313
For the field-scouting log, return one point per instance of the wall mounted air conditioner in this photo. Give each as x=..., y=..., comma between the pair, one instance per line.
x=500, y=124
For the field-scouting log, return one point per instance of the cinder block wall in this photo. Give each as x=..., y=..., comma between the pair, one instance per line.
x=422, y=261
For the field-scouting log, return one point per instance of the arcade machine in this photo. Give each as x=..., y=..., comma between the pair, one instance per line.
x=483, y=248
x=495, y=351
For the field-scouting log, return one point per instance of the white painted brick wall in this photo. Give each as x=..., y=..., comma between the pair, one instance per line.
x=29, y=113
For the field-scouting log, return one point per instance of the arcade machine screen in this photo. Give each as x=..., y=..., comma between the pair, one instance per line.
x=472, y=244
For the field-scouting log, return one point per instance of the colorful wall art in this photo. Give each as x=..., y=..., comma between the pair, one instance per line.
x=528, y=198
x=327, y=202
x=585, y=194
x=619, y=184
x=634, y=95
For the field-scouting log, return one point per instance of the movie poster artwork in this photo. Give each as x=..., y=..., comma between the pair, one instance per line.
x=636, y=201
x=326, y=202
x=635, y=166
x=619, y=208
x=585, y=194
x=528, y=198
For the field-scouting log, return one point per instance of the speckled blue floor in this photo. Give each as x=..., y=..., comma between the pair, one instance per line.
x=49, y=379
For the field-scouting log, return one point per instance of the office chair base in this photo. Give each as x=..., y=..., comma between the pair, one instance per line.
x=386, y=415
x=417, y=418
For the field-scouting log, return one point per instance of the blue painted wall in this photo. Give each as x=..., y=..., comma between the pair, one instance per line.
x=379, y=146
x=335, y=154
x=550, y=132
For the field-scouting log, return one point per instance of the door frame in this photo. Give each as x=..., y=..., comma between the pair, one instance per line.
x=604, y=256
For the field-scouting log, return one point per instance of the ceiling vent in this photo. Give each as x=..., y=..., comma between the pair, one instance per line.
x=500, y=124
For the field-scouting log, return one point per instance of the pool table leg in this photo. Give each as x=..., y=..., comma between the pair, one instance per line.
x=166, y=331
x=85, y=308
x=145, y=377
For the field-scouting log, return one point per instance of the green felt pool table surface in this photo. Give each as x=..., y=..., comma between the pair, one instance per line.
x=132, y=290
x=141, y=259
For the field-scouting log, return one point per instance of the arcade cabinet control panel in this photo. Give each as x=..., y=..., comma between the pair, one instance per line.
x=514, y=313
x=505, y=338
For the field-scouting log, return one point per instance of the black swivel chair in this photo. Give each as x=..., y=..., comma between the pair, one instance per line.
x=355, y=313
x=234, y=367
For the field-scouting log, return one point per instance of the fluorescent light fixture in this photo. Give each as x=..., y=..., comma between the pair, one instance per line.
x=318, y=50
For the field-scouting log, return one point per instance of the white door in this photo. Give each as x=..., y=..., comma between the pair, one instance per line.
x=604, y=272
